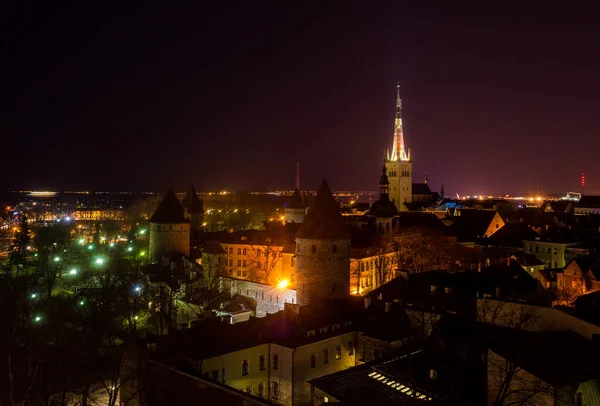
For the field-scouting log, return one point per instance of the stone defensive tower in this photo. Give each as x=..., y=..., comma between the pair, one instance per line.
x=169, y=229
x=295, y=209
x=322, y=251
x=193, y=208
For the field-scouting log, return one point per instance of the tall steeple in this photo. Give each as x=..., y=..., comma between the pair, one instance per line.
x=384, y=184
x=399, y=151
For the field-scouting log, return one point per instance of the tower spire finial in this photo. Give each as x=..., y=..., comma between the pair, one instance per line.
x=398, y=148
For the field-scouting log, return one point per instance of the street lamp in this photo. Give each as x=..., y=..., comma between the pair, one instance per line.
x=99, y=261
x=73, y=271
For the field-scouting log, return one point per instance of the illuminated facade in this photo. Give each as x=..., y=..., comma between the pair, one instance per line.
x=399, y=163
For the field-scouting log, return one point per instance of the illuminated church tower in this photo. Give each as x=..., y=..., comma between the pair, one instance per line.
x=398, y=163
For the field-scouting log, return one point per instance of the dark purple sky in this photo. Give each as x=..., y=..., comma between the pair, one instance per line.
x=497, y=98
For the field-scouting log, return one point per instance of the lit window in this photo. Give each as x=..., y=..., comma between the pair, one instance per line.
x=350, y=348
x=244, y=251
x=338, y=352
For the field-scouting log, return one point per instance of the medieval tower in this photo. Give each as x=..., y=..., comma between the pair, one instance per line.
x=383, y=210
x=398, y=163
x=322, y=251
x=169, y=229
x=193, y=209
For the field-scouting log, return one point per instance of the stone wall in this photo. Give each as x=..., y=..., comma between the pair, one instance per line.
x=169, y=240
x=322, y=269
x=269, y=299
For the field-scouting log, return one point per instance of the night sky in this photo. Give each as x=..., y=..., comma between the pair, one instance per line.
x=131, y=96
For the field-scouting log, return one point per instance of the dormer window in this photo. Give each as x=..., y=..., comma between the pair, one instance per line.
x=335, y=327
x=347, y=324
x=311, y=333
x=322, y=330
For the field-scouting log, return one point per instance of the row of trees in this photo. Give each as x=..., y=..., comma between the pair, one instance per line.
x=69, y=312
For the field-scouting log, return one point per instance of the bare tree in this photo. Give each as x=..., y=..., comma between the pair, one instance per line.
x=420, y=250
x=213, y=282
x=509, y=383
x=50, y=243
x=512, y=385
x=266, y=259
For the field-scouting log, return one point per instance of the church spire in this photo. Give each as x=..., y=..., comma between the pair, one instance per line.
x=398, y=148
x=384, y=184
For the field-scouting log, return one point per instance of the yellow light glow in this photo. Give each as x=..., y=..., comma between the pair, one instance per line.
x=283, y=284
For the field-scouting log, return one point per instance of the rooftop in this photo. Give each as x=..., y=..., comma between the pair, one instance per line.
x=324, y=220
x=169, y=211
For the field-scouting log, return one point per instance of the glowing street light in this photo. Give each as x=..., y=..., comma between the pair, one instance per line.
x=142, y=232
x=81, y=303
x=82, y=241
x=33, y=295
x=56, y=259
x=142, y=253
x=283, y=284
x=73, y=271
x=99, y=261
x=129, y=249
x=37, y=319
x=112, y=244
x=90, y=247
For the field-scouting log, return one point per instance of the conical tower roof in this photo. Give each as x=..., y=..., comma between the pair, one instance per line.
x=297, y=201
x=192, y=202
x=324, y=220
x=169, y=210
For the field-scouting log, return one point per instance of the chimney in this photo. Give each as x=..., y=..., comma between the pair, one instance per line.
x=367, y=302
x=388, y=306
x=380, y=296
x=498, y=291
x=432, y=374
x=433, y=288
